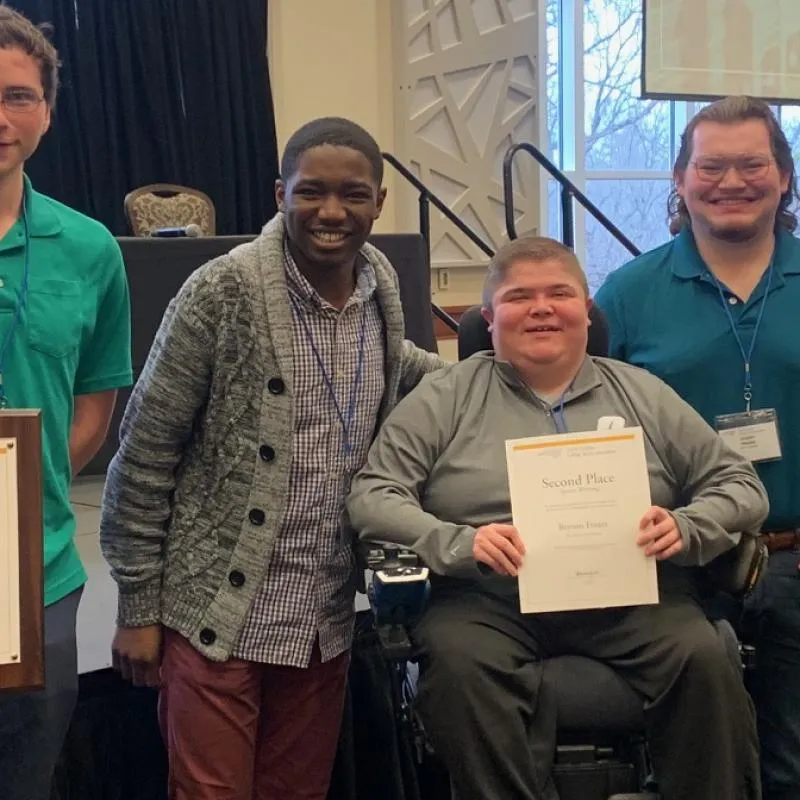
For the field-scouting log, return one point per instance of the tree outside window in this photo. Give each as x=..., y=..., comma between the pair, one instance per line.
x=618, y=148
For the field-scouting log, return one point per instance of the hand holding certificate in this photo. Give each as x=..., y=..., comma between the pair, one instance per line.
x=578, y=501
x=499, y=547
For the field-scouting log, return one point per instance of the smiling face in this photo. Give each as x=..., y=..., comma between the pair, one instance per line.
x=732, y=186
x=330, y=204
x=539, y=317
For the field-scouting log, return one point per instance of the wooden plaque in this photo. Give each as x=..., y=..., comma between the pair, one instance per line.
x=21, y=545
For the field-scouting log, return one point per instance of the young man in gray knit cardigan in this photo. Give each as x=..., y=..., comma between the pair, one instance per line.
x=223, y=513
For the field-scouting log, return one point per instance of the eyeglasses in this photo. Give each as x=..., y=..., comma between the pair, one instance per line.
x=20, y=100
x=712, y=169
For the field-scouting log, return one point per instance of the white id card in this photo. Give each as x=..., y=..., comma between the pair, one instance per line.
x=752, y=434
x=610, y=423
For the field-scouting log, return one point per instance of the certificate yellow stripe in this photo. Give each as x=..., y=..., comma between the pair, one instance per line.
x=622, y=437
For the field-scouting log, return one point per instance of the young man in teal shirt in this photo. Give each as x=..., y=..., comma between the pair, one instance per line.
x=714, y=313
x=64, y=349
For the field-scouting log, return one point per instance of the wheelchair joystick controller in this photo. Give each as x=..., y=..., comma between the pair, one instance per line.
x=397, y=594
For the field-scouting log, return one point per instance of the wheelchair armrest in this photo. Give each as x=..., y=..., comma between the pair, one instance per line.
x=737, y=571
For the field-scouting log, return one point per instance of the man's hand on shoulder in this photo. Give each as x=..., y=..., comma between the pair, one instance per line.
x=431, y=361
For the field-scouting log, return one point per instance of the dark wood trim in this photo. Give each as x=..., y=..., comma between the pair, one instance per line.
x=26, y=428
x=440, y=330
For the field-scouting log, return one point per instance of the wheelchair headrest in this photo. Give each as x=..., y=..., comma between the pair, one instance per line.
x=474, y=336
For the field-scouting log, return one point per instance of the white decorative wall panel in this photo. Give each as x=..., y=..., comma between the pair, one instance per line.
x=468, y=89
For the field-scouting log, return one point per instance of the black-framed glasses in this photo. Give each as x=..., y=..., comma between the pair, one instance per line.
x=713, y=168
x=19, y=100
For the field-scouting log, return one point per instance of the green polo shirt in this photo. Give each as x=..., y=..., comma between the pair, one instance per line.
x=665, y=314
x=74, y=338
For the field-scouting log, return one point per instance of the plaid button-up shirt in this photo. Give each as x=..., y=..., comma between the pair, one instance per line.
x=308, y=590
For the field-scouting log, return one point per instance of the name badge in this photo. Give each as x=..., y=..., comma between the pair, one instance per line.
x=752, y=434
x=610, y=423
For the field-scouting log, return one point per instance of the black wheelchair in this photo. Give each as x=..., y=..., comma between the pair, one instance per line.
x=601, y=751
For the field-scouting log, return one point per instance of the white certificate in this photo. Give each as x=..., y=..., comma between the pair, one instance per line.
x=577, y=500
x=9, y=555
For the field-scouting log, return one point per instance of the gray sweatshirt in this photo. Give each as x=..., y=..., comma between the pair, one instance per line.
x=437, y=470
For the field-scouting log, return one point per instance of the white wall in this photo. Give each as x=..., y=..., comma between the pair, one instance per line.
x=362, y=59
x=334, y=58
x=469, y=89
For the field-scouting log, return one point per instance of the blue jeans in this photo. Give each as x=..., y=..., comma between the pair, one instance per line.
x=33, y=725
x=772, y=624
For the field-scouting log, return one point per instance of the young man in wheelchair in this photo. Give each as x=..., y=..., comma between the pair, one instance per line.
x=436, y=483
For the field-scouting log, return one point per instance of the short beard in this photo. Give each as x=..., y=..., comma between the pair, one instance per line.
x=735, y=235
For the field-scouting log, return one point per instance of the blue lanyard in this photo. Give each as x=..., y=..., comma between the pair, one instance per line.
x=346, y=422
x=746, y=356
x=558, y=413
x=16, y=321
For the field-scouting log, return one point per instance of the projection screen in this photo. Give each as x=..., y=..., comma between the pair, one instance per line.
x=705, y=49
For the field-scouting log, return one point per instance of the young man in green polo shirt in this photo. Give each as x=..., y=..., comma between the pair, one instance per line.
x=64, y=349
x=714, y=313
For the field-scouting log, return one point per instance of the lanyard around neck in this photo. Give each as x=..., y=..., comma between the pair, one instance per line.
x=557, y=410
x=747, y=355
x=22, y=299
x=345, y=419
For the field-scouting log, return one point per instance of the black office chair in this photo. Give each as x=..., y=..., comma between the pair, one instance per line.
x=601, y=748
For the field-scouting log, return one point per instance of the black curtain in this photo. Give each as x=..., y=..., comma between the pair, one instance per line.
x=160, y=91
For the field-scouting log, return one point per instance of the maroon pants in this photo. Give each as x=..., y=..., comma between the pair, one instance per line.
x=244, y=731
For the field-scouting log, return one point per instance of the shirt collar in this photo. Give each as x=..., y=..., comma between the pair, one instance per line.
x=688, y=264
x=366, y=282
x=787, y=253
x=40, y=215
x=586, y=379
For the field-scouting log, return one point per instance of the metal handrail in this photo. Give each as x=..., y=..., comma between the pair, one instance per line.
x=425, y=200
x=439, y=204
x=569, y=191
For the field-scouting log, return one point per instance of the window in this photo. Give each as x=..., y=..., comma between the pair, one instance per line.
x=617, y=148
